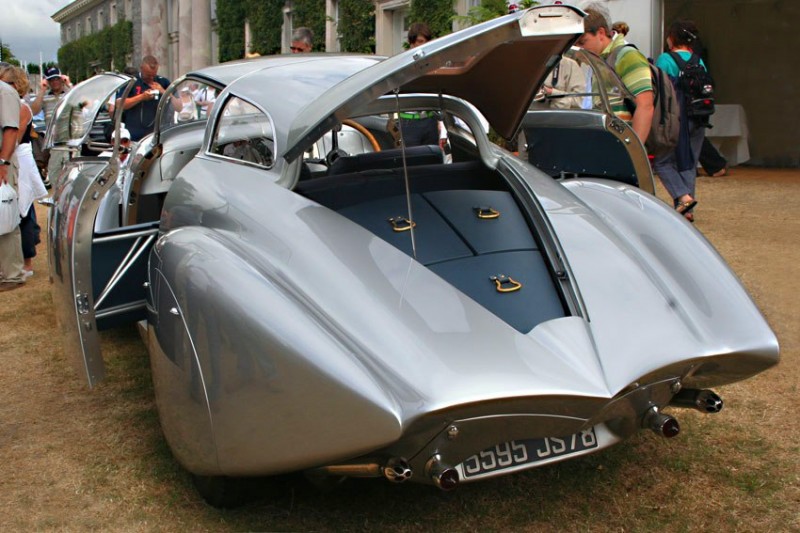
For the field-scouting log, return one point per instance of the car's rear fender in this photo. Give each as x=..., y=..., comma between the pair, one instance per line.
x=236, y=356
x=656, y=291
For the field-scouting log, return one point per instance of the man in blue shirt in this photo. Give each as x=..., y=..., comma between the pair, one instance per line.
x=141, y=104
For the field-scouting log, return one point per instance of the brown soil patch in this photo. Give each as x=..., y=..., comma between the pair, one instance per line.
x=78, y=459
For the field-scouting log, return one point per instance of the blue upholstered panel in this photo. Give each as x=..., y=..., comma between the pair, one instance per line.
x=338, y=192
x=435, y=239
x=507, y=232
x=537, y=300
x=392, y=158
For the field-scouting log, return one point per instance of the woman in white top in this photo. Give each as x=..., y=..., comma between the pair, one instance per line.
x=29, y=181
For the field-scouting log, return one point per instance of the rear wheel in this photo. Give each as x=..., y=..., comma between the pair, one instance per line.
x=220, y=491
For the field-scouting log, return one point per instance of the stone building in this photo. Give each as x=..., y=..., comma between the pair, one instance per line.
x=180, y=33
x=755, y=83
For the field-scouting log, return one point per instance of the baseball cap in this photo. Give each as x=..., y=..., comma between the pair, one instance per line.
x=123, y=133
x=51, y=73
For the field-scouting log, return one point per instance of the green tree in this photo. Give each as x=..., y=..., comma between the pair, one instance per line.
x=7, y=55
x=490, y=9
x=437, y=14
x=311, y=14
x=108, y=49
x=266, y=21
x=357, y=26
x=230, y=28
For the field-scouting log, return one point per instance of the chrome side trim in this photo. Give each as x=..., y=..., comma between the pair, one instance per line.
x=121, y=309
x=124, y=236
x=136, y=250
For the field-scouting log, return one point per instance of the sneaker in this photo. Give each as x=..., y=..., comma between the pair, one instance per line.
x=27, y=273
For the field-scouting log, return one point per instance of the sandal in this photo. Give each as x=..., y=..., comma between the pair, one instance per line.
x=685, y=208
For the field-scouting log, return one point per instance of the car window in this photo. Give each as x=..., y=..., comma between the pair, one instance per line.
x=244, y=133
x=189, y=101
x=76, y=113
x=600, y=88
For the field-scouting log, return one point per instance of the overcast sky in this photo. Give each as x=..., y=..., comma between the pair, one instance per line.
x=26, y=28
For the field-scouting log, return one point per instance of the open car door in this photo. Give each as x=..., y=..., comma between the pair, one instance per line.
x=608, y=146
x=97, y=276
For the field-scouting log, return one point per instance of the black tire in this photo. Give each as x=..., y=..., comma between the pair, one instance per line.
x=220, y=491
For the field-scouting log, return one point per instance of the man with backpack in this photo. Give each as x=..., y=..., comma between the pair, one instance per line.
x=631, y=66
x=678, y=168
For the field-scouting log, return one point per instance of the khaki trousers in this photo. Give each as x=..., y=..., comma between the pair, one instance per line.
x=58, y=159
x=10, y=244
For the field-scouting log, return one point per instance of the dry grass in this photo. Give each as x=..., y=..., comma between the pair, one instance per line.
x=75, y=459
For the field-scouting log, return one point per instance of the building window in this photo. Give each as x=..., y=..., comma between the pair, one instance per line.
x=100, y=20
x=112, y=13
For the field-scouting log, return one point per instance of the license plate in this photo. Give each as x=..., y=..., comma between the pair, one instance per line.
x=515, y=454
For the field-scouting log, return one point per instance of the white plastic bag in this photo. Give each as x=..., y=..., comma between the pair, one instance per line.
x=9, y=211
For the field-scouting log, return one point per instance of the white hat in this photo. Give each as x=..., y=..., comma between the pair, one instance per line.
x=123, y=133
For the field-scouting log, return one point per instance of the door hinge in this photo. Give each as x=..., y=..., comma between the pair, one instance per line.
x=82, y=303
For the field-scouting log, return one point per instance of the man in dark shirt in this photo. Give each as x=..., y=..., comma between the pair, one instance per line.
x=141, y=104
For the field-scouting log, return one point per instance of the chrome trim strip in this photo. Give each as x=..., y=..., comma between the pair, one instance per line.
x=133, y=306
x=136, y=250
x=124, y=236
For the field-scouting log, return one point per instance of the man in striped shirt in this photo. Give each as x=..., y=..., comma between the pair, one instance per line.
x=631, y=66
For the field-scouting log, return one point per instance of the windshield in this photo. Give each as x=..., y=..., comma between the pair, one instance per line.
x=187, y=102
x=583, y=81
x=76, y=113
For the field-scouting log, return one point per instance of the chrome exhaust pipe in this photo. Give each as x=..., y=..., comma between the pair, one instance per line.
x=354, y=470
x=397, y=470
x=664, y=425
x=443, y=475
x=703, y=400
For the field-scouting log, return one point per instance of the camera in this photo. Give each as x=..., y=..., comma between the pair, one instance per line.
x=155, y=93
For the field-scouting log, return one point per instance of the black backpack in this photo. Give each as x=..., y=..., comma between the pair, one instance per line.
x=697, y=86
x=665, y=128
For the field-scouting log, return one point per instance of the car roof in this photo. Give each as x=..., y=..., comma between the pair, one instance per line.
x=226, y=73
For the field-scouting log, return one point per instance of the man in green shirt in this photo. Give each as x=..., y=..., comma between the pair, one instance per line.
x=631, y=66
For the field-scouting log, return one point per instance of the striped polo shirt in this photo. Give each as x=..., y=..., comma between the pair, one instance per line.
x=634, y=70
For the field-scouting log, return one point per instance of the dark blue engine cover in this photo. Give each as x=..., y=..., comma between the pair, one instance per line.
x=467, y=250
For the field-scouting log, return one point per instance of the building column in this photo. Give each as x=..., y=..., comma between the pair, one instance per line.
x=154, y=30
x=331, y=25
x=287, y=29
x=201, y=34
x=184, y=37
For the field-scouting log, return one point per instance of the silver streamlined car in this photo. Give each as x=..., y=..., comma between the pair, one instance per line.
x=315, y=298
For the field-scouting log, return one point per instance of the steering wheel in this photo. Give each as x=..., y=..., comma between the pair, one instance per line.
x=365, y=132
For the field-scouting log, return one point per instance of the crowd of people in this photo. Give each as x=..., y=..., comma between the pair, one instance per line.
x=18, y=169
x=677, y=168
